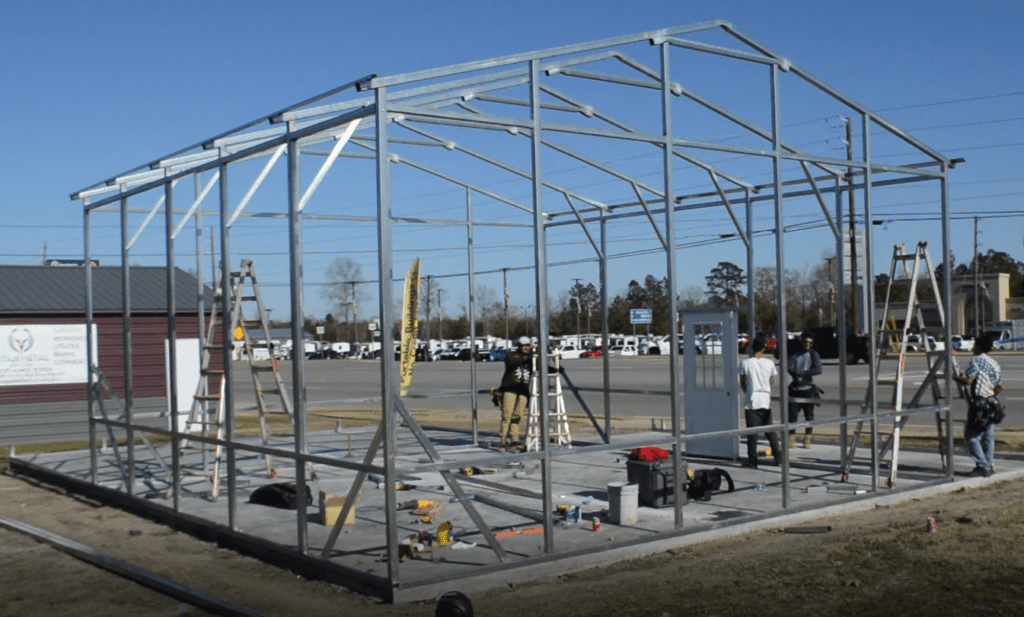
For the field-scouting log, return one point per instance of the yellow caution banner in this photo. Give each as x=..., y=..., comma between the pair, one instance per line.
x=410, y=325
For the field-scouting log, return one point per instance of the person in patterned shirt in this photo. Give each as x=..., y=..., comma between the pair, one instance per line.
x=985, y=371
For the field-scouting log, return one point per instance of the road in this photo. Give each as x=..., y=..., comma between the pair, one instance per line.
x=639, y=385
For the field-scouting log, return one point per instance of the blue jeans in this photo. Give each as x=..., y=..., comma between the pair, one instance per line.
x=982, y=446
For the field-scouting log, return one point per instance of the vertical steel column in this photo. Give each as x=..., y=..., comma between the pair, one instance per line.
x=869, y=294
x=780, y=274
x=605, y=362
x=841, y=323
x=200, y=302
x=541, y=265
x=751, y=326
x=90, y=361
x=172, y=337
x=298, y=359
x=227, y=394
x=670, y=275
x=389, y=381
x=472, y=314
x=126, y=341
x=947, y=306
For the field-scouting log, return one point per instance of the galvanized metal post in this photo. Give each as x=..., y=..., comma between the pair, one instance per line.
x=227, y=387
x=89, y=342
x=389, y=381
x=126, y=343
x=541, y=280
x=472, y=313
x=298, y=359
x=751, y=325
x=198, y=189
x=780, y=272
x=606, y=371
x=947, y=284
x=670, y=269
x=869, y=294
x=172, y=354
x=841, y=324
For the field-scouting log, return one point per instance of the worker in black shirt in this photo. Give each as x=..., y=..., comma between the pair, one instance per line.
x=515, y=393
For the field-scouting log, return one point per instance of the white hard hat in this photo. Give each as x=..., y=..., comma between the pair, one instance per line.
x=524, y=340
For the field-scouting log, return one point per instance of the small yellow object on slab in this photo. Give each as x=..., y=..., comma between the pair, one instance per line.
x=330, y=509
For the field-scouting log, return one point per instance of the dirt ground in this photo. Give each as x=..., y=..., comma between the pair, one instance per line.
x=878, y=562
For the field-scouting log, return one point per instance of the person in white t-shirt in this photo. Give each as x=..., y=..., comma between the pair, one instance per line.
x=757, y=374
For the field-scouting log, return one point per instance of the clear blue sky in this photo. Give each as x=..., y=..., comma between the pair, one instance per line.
x=91, y=89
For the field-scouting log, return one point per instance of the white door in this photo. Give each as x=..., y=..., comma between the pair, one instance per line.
x=711, y=384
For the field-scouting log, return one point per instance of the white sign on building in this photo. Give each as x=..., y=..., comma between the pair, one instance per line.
x=33, y=355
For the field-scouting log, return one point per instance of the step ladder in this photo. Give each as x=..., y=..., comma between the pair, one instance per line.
x=266, y=377
x=910, y=267
x=556, y=410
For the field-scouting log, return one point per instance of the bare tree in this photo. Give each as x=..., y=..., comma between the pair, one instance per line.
x=691, y=297
x=342, y=289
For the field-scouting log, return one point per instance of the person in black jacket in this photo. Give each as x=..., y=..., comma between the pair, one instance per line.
x=515, y=393
x=803, y=366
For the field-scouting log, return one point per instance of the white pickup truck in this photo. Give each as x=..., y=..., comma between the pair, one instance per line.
x=570, y=352
x=914, y=343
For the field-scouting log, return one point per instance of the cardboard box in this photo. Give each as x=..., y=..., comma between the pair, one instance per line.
x=330, y=509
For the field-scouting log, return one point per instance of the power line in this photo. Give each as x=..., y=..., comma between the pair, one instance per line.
x=954, y=101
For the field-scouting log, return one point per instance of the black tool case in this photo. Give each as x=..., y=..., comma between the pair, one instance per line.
x=655, y=481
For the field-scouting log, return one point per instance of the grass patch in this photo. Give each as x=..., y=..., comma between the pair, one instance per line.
x=1007, y=440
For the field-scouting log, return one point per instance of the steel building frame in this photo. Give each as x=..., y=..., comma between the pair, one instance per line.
x=372, y=118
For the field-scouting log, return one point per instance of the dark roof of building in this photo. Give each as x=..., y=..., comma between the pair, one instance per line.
x=61, y=289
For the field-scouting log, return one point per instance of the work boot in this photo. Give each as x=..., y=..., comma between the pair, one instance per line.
x=807, y=441
x=517, y=446
x=792, y=441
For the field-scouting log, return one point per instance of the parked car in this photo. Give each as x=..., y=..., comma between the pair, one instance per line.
x=915, y=342
x=570, y=352
x=452, y=353
x=622, y=350
x=962, y=343
x=494, y=354
x=709, y=344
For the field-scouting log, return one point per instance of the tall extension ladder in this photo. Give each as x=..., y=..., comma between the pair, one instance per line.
x=240, y=328
x=556, y=410
x=897, y=338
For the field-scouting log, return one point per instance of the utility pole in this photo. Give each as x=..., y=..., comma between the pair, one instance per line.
x=831, y=294
x=355, y=314
x=578, y=310
x=504, y=282
x=977, y=283
x=439, y=317
x=428, y=312
x=853, y=226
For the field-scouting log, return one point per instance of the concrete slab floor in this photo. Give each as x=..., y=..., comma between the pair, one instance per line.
x=506, y=492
